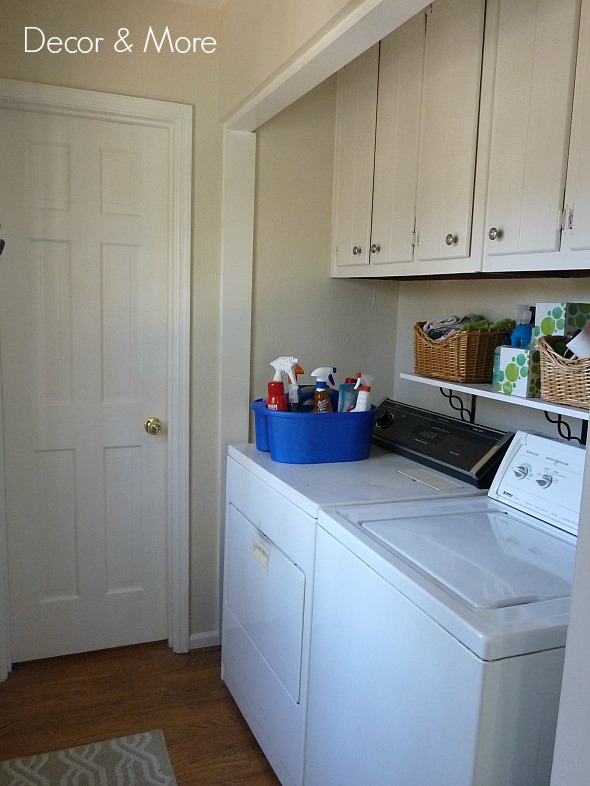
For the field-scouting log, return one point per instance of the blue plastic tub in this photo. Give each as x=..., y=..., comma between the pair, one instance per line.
x=311, y=438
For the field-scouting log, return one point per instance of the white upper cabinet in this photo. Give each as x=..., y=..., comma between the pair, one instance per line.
x=532, y=52
x=355, y=151
x=448, y=136
x=401, y=65
x=416, y=150
x=457, y=153
x=576, y=234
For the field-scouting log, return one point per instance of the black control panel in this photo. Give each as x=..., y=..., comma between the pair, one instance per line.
x=462, y=450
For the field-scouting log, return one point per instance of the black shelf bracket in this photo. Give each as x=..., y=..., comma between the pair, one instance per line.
x=466, y=414
x=565, y=431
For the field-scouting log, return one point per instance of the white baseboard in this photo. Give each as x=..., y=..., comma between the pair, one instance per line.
x=209, y=638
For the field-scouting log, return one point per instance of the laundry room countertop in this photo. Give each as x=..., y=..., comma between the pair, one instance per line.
x=378, y=478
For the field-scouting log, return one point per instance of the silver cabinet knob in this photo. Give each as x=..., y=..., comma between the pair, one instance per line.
x=495, y=234
x=451, y=239
x=375, y=248
x=356, y=250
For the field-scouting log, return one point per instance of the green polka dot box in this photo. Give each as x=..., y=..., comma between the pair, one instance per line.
x=559, y=319
x=517, y=372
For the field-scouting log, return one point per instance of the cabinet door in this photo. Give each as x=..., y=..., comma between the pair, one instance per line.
x=401, y=65
x=448, y=137
x=576, y=238
x=355, y=150
x=532, y=101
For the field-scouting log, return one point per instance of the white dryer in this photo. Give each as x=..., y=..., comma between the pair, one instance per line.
x=439, y=630
x=270, y=540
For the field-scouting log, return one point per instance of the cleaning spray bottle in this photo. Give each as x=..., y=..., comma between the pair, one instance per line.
x=276, y=399
x=290, y=366
x=321, y=398
x=294, y=370
x=363, y=402
x=522, y=333
x=347, y=394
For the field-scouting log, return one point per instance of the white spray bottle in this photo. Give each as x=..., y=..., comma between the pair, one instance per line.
x=363, y=385
x=290, y=366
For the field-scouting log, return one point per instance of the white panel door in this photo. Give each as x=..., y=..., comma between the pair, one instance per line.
x=83, y=329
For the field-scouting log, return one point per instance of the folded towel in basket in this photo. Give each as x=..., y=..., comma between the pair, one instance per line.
x=441, y=328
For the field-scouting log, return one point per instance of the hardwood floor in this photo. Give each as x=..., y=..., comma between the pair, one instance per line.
x=62, y=702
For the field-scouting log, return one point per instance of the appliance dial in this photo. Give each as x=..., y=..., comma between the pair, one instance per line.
x=384, y=419
x=545, y=481
x=521, y=471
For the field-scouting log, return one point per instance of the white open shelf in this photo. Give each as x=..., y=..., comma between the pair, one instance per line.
x=485, y=390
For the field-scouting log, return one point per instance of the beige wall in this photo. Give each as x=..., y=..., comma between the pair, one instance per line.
x=297, y=308
x=190, y=79
x=353, y=324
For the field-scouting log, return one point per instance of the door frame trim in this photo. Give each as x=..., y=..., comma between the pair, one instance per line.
x=177, y=119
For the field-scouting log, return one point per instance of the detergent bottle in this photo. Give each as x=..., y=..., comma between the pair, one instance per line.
x=276, y=397
x=363, y=402
x=321, y=398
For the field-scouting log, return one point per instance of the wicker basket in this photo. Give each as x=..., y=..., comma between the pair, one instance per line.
x=464, y=356
x=564, y=381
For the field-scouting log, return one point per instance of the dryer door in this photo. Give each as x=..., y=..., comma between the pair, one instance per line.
x=265, y=591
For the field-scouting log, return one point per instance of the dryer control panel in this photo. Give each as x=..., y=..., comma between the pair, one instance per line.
x=462, y=450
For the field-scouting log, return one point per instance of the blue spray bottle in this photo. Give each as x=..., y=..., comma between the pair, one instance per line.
x=523, y=332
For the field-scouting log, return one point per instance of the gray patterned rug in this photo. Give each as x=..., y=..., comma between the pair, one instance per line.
x=138, y=760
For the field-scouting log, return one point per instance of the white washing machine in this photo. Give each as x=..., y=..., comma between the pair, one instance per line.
x=439, y=630
x=270, y=539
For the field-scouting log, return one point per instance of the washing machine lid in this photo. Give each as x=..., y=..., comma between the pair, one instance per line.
x=542, y=477
x=480, y=552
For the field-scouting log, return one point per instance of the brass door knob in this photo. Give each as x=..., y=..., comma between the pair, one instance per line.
x=153, y=426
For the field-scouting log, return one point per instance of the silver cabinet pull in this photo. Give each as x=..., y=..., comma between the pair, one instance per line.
x=495, y=234
x=375, y=248
x=356, y=250
x=451, y=239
